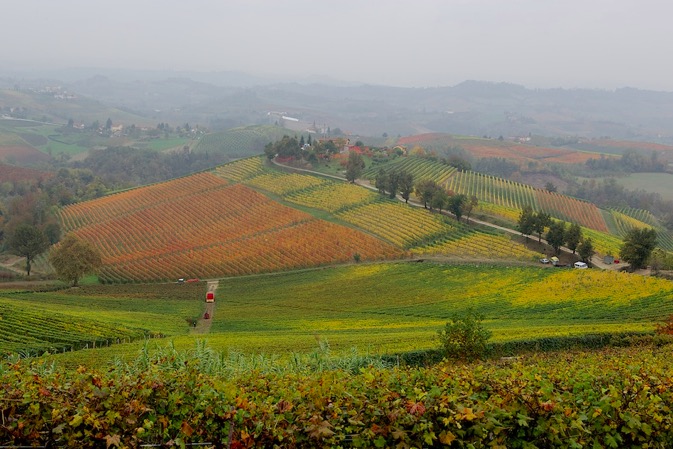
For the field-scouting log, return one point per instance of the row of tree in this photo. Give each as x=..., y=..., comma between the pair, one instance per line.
x=637, y=247
x=558, y=233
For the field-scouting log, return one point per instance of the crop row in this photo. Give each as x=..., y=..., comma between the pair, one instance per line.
x=625, y=223
x=241, y=169
x=332, y=196
x=602, y=242
x=398, y=223
x=571, y=210
x=480, y=245
x=134, y=200
x=507, y=213
x=283, y=183
x=494, y=190
x=639, y=214
x=228, y=213
x=514, y=195
x=230, y=230
x=420, y=168
x=31, y=330
x=302, y=245
x=626, y=219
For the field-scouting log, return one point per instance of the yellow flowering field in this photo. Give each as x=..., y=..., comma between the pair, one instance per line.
x=613, y=287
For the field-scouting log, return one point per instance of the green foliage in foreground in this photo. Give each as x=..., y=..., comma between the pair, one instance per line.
x=464, y=337
x=617, y=398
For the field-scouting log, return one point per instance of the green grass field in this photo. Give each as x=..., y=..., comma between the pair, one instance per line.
x=379, y=308
x=661, y=183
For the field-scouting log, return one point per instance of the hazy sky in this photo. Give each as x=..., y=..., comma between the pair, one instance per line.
x=537, y=43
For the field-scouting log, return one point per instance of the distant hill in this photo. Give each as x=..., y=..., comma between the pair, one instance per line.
x=242, y=141
x=58, y=105
x=221, y=101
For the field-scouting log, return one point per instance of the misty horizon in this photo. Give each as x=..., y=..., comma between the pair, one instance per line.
x=430, y=43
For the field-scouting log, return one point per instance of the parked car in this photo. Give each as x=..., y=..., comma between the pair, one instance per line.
x=580, y=265
x=544, y=260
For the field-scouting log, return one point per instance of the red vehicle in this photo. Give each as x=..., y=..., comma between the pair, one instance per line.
x=210, y=297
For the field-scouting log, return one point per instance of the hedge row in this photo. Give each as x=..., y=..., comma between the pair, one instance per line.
x=616, y=398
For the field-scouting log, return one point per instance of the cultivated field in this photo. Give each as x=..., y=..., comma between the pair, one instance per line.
x=382, y=308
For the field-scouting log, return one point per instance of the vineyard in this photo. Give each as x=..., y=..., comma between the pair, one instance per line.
x=494, y=190
x=29, y=330
x=419, y=168
x=513, y=196
x=381, y=308
x=480, y=245
x=492, y=148
x=625, y=219
x=241, y=169
x=399, y=224
x=332, y=196
x=201, y=226
x=618, y=398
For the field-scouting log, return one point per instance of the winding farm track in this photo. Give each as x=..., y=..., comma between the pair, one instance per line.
x=595, y=260
x=203, y=324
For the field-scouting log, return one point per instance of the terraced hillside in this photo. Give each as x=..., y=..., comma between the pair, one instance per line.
x=505, y=199
x=407, y=227
x=203, y=226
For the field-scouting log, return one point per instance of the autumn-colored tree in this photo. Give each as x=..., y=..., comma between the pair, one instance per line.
x=73, y=258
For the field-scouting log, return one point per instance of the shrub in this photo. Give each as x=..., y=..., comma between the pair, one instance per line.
x=464, y=337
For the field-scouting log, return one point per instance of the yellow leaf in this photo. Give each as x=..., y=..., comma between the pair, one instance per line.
x=446, y=437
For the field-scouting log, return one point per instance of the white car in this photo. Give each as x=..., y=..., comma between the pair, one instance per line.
x=580, y=265
x=545, y=260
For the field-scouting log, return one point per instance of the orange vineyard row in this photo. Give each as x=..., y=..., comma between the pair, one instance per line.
x=231, y=230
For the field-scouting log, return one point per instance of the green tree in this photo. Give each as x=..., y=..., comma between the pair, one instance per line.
x=28, y=241
x=469, y=206
x=440, y=200
x=393, y=184
x=541, y=221
x=405, y=184
x=425, y=189
x=586, y=250
x=573, y=236
x=526, y=223
x=456, y=204
x=638, y=246
x=354, y=166
x=73, y=258
x=381, y=181
x=556, y=235
x=464, y=337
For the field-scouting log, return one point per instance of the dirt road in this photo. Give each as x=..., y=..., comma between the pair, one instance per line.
x=203, y=324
